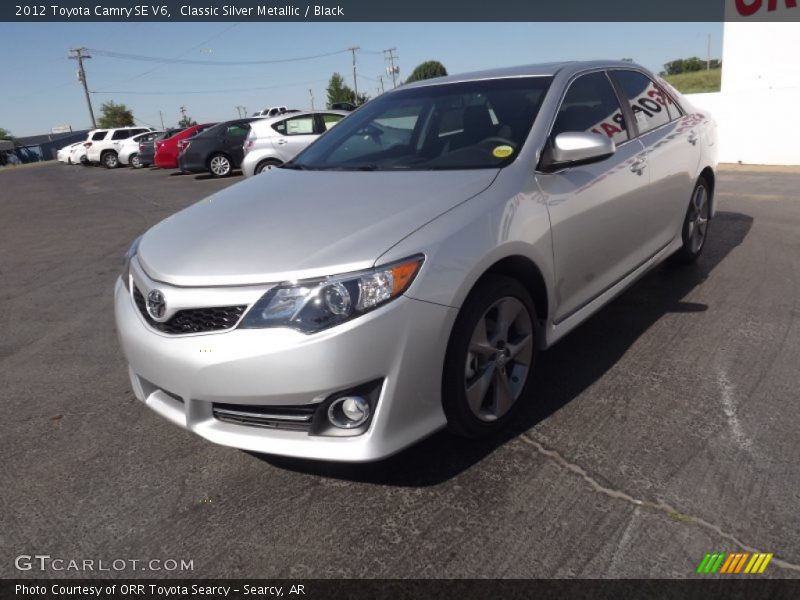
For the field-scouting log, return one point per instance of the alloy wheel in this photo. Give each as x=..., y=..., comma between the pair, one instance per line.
x=499, y=359
x=220, y=166
x=110, y=160
x=135, y=162
x=698, y=219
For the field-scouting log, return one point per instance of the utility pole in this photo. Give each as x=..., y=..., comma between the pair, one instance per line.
x=161, y=116
x=708, y=54
x=311, y=93
x=355, y=79
x=78, y=54
x=393, y=70
x=241, y=109
x=380, y=80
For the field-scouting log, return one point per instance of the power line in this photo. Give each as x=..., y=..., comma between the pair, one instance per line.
x=226, y=90
x=210, y=63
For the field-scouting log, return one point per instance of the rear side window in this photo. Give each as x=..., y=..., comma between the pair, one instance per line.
x=122, y=134
x=330, y=119
x=237, y=131
x=99, y=136
x=296, y=126
x=591, y=105
x=647, y=101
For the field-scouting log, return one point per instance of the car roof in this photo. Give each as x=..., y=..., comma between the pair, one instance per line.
x=535, y=70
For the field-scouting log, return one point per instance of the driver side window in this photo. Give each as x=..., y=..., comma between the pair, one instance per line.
x=591, y=105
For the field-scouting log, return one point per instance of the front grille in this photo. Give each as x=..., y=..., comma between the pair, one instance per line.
x=192, y=320
x=295, y=418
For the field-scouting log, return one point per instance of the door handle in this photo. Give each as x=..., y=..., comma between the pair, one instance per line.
x=692, y=137
x=282, y=142
x=638, y=165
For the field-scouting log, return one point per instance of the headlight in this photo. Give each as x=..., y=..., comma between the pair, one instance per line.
x=311, y=306
x=126, y=264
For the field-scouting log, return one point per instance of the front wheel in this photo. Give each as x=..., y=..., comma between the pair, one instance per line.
x=695, y=224
x=220, y=165
x=489, y=358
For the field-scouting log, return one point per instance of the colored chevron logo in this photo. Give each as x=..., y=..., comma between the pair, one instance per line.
x=733, y=563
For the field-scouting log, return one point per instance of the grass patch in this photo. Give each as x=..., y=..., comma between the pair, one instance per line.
x=697, y=82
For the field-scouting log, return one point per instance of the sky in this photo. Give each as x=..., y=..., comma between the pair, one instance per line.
x=41, y=89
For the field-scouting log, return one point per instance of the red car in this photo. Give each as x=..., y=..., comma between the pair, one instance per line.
x=167, y=150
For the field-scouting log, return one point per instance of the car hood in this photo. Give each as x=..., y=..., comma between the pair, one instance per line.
x=288, y=224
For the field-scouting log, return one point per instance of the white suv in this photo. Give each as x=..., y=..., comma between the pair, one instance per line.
x=100, y=144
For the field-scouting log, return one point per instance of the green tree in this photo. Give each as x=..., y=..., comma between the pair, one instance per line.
x=186, y=121
x=5, y=134
x=115, y=115
x=427, y=70
x=693, y=64
x=338, y=90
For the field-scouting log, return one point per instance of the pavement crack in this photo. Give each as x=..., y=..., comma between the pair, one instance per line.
x=659, y=506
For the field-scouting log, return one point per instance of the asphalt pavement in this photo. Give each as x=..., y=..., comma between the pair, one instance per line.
x=664, y=428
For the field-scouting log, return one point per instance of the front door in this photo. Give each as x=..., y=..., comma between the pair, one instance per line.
x=597, y=211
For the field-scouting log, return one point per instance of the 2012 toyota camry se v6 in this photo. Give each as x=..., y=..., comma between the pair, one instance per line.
x=402, y=272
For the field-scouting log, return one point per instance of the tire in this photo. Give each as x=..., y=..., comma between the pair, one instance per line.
x=109, y=159
x=134, y=161
x=695, y=224
x=219, y=165
x=488, y=366
x=264, y=165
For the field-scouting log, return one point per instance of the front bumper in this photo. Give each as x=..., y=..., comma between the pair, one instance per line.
x=403, y=344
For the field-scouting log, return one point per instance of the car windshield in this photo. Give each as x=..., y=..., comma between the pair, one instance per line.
x=472, y=125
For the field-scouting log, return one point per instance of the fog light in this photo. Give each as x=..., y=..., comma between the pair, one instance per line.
x=348, y=412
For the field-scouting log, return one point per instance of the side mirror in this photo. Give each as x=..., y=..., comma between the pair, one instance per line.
x=570, y=149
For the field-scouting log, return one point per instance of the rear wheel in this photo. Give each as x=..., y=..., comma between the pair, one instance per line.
x=110, y=159
x=489, y=358
x=265, y=165
x=695, y=224
x=135, y=161
x=220, y=165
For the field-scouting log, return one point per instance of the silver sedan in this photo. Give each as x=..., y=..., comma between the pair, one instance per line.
x=401, y=274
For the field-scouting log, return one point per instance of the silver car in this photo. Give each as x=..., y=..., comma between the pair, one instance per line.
x=400, y=275
x=274, y=141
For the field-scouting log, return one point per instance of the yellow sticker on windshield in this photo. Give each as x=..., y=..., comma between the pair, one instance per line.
x=503, y=151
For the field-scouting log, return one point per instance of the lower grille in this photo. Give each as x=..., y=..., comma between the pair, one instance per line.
x=192, y=320
x=295, y=418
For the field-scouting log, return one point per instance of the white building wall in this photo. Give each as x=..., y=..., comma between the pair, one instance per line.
x=758, y=109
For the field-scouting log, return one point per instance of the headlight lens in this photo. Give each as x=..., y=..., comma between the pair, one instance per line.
x=126, y=264
x=311, y=306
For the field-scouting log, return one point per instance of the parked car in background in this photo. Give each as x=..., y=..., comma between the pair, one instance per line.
x=147, y=150
x=64, y=154
x=403, y=272
x=272, y=142
x=347, y=106
x=273, y=111
x=166, y=150
x=78, y=154
x=218, y=150
x=101, y=149
x=128, y=150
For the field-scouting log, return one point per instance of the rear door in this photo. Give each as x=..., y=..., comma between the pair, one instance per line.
x=294, y=134
x=670, y=140
x=597, y=213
